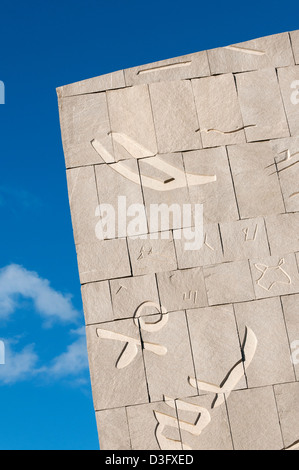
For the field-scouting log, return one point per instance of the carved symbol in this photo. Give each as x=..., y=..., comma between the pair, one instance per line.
x=164, y=67
x=169, y=180
x=207, y=131
x=130, y=350
x=144, y=252
x=287, y=167
x=151, y=326
x=234, y=375
x=294, y=446
x=202, y=420
x=288, y=156
x=177, y=178
x=272, y=275
x=120, y=288
x=207, y=244
x=191, y=293
x=246, y=50
x=247, y=236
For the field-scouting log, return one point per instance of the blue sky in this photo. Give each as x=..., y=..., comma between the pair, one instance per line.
x=45, y=396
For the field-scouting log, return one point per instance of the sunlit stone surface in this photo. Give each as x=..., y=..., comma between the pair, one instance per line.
x=190, y=348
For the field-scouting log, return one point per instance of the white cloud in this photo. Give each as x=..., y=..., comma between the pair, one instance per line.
x=73, y=361
x=23, y=365
x=18, y=365
x=16, y=281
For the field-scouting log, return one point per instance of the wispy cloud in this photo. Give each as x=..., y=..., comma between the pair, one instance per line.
x=71, y=362
x=16, y=282
x=18, y=366
x=25, y=364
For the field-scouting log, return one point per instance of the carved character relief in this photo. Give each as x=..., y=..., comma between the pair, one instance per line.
x=201, y=421
x=203, y=417
x=272, y=275
x=130, y=350
x=176, y=178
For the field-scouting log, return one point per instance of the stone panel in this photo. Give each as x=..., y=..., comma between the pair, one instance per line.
x=83, y=119
x=167, y=374
x=177, y=68
x=83, y=200
x=103, y=260
x=217, y=192
x=295, y=44
x=275, y=275
x=97, y=302
x=175, y=116
x=152, y=255
x=288, y=409
x=215, y=344
x=289, y=85
x=291, y=314
x=228, y=282
x=253, y=174
x=261, y=105
x=255, y=54
x=182, y=289
x=283, y=232
x=210, y=252
x=113, y=429
x=212, y=435
x=218, y=110
x=271, y=363
x=285, y=164
x=115, y=360
x=146, y=432
x=94, y=85
x=244, y=239
x=130, y=292
x=132, y=126
x=254, y=420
